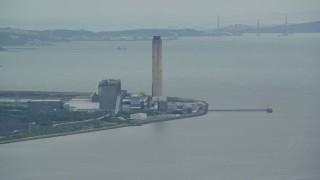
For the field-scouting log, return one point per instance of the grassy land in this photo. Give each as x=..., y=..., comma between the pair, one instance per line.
x=18, y=123
x=41, y=94
x=21, y=122
x=37, y=131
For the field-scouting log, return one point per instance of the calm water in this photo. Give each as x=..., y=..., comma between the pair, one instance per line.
x=227, y=72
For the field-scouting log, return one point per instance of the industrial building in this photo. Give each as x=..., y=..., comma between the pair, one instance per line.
x=156, y=66
x=94, y=97
x=162, y=106
x=136, y=101
x=109, y=92
x=46, y=105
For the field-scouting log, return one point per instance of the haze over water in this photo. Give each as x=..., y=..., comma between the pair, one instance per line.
x=227, y=72
x=97, y=15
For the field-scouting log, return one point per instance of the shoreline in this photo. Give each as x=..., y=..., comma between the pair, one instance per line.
x=137, y=123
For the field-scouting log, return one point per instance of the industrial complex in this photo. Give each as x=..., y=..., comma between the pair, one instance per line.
x=112, y=99
x=109, y=107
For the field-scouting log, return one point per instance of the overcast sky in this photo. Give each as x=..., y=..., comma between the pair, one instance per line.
x=159, y=10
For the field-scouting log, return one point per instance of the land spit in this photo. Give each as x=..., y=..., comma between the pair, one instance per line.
x=154, y=119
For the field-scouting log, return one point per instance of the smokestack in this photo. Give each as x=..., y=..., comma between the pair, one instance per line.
x=156, y=66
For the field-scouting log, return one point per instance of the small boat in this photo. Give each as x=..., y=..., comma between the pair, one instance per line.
x=121, y=48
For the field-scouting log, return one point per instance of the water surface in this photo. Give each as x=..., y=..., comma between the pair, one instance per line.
x=227, y=72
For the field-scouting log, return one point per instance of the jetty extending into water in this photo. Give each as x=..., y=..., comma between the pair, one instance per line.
x=267, y=109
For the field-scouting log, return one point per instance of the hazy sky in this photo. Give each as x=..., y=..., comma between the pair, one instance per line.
x=158, y=10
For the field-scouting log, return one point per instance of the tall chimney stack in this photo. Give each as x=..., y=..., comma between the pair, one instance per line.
x=156, y=66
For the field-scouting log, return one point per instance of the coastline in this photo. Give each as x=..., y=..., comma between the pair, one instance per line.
x=137, y=123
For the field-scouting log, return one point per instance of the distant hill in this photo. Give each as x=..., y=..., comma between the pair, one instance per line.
x=14, y=36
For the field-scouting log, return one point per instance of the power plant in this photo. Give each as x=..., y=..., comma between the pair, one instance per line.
x=156, y=66
x=111, y=97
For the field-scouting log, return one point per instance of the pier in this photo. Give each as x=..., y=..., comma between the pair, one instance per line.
x=268, y=109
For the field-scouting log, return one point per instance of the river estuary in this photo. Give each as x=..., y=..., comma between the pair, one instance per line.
x=227, y=72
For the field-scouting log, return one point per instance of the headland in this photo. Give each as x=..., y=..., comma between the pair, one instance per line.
x=18, y=122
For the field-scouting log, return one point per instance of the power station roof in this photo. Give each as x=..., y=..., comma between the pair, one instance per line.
x=156, y=37
x=109, y=82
